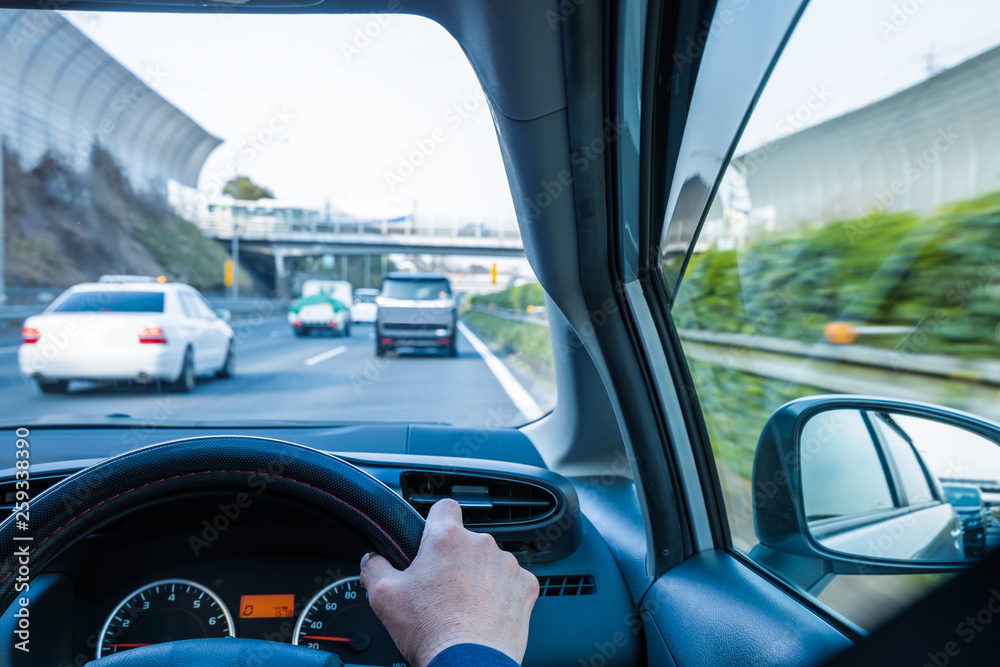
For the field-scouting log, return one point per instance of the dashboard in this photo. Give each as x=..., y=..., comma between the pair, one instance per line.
x=269, y=567
x=205, y=567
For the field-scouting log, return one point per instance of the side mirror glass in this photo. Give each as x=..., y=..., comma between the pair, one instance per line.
x=224, y=314
x=885, y=485
x=859, y=485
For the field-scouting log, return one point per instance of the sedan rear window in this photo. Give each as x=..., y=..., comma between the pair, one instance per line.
x=962, y=497
x=111, y=302
x=416, y=290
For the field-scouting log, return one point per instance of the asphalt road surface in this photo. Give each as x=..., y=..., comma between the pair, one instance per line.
x=281, y=377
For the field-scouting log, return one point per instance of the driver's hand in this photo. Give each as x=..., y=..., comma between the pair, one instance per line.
x=461, y=588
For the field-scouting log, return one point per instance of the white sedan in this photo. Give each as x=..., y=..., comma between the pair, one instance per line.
x=139, y=331
x=365, y=309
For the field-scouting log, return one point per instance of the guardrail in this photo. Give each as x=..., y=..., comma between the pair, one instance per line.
x=11, y=317
x=977, y=370
x=540, y=319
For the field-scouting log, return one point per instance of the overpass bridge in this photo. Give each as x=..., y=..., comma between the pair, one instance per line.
x=284, y=241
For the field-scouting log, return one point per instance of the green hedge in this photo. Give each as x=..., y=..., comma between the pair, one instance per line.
x=529, y=343
x=938, y=274
x=514, y=298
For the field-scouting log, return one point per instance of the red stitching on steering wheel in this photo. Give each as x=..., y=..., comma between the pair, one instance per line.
x=210, y=472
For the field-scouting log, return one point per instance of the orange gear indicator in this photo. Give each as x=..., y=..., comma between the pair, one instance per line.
x=267, y=606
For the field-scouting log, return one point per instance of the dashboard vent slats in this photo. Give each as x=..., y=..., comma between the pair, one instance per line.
x=485, y=501
x=8, y=490
x=566, y=586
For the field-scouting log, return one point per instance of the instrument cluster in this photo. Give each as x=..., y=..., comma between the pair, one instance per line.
x=307, y=602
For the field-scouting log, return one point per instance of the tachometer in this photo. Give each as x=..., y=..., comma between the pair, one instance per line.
x=340, y=620
x=164, y=611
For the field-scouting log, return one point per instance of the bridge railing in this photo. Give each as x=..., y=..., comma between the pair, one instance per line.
x=262, y=229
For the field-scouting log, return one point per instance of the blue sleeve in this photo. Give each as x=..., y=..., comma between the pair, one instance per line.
x=471, y=655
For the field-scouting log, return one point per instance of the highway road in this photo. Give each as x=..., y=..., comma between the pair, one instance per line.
x=281, y=377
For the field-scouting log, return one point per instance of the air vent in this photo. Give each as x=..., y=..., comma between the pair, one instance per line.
x=565, y=586
x=485, y=501
x=8, y=490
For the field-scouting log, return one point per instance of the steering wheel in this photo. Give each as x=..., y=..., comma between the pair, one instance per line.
x=82, y=503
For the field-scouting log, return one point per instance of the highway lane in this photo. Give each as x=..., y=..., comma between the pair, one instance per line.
x=281, y=377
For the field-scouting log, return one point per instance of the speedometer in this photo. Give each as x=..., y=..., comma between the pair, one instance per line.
x=164, y=611
x=340, y=620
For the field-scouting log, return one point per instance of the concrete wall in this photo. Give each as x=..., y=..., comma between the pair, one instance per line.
x=936, y=142
x=60, y=92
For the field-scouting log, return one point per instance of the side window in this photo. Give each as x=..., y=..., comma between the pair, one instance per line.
x=826, y=471
x=204, y=309
x=187, y=305
x=194, y=306
x=852, y=248
x=909, y=470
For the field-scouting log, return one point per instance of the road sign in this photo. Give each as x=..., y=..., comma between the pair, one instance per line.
x=227, y=272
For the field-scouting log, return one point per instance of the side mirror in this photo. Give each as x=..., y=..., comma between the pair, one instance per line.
x=861, y=485
x=224, y=314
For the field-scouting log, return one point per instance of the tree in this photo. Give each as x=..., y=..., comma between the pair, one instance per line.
x=243, y=188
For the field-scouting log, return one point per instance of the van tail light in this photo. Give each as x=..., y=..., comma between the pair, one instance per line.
x=30, y=335
x=333, y=324
x=152, y=335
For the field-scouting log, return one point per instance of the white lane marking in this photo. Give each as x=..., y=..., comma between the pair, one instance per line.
x=519, y=396
x=329, y=354
x=12, y=348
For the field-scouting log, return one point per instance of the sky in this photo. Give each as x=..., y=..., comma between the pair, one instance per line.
x=952, y=452
x=340, y=107
x=362, y=99
x=845, y=54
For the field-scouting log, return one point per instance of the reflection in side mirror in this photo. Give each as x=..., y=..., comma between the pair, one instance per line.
x=891, y=486
x=848, y=485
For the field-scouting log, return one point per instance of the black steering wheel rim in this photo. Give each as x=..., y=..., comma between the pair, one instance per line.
x=82, y=503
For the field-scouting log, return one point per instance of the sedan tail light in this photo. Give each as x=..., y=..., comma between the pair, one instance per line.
x=29, y=335
x=152, y=335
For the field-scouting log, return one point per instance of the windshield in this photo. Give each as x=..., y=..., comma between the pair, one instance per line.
x=111, y=302
x=962, y=497
x=416, y=290
x=260, y=160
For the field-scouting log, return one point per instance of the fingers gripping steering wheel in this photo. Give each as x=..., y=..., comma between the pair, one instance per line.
x=79, y=505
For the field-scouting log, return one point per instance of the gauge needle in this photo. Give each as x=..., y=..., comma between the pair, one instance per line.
x=358, y=643
x=126, y=645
